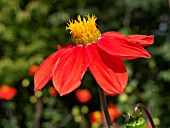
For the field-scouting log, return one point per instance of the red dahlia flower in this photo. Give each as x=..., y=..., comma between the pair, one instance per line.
x=114, y=112
x=101, y=53
x=7, y=92
x=97, y=117
x=32, y=69
x=52, y=91
x=83, y=95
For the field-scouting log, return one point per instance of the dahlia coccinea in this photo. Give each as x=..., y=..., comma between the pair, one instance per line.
x=83, y=95
x=7, y=92
x=101, y=53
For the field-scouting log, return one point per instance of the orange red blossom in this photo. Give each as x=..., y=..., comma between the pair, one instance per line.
x=83, y=95
x=102, y=54
x=97, y=117
x=7, y=92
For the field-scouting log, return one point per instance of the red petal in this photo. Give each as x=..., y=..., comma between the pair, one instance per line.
x=70, y=45
x=45, y=70
x=109, y=71
x=113, y=34
x=143, y=40
x=121, y=47
x=59, y=47
x=70, y=69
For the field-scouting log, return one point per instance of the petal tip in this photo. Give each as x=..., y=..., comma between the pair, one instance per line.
x=36, y=88
x=148, y=56
x=62, y=93
x=121, y=91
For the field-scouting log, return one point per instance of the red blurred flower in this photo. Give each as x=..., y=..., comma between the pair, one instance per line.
x=53, y=91
x=83, y=95
x=96, y=117
x=7, y=92
x=32, y=69
x=101, y=53
x=114, y=112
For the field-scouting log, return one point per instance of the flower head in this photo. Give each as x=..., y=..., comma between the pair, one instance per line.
x=102, y=54
x=96, y=117
x=7, y=92
x=32, y=69
x=52, y=91
x=114, y=112
x=83, y=95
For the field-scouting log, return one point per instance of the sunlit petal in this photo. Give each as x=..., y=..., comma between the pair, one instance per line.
x=143, y=40
x=45, y=70
x=122, y=48
x=70, y=69
x=109, y=71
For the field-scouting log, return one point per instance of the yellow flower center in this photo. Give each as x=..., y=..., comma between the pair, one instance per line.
x=83, y=31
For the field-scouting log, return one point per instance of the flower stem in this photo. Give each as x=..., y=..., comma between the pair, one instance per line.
x=104, y=107
x=146, y=111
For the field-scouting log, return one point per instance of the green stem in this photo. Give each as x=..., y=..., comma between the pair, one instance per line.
x=104, y=107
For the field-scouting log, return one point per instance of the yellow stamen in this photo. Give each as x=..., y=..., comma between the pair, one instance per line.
x=83, y=31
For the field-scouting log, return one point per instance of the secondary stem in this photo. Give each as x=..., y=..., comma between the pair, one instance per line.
x=104, y=107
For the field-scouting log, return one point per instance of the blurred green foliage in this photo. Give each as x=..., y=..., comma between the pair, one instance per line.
x=30, y=31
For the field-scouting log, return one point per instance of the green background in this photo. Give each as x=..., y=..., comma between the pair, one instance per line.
x=30, y=31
